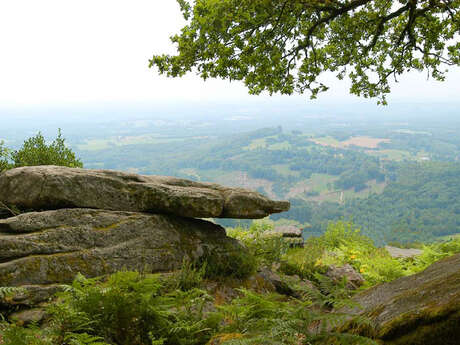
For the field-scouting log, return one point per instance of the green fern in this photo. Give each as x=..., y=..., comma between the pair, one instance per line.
x=270, y=319
x=134, y=309
x=83, y=339
x=12, y=334
x=7, y=291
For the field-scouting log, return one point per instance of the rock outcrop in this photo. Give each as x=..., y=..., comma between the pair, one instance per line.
x=402, y=253
x=288, y=231
x=419, y=309
x=97, y=222
x=337, y=274
x=53, y=187
x=53, y=246
x=291, y=235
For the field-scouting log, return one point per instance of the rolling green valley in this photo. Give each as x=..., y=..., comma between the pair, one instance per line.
x=398, y=181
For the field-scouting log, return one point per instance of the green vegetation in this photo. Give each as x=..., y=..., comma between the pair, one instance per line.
x=276, y=157
x=133, y=309
x=128, y=308
x=8, y=291
x=35, y=151
x=266, y=249
x=401, y=201
x=270, y=319
x=422, y=204
x=285, y=47
x=237, y=264
x=343, y=243
x=185, y=308
x=4, y=157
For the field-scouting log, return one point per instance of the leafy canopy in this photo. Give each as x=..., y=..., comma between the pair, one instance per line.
x=283, y=46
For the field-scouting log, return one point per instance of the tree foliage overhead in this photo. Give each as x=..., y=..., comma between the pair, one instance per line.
x=283, y=46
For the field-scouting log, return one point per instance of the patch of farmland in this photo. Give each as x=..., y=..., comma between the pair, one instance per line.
x=360, y=141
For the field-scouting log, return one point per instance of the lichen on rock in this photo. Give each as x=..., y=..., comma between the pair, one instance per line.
x=98, y=242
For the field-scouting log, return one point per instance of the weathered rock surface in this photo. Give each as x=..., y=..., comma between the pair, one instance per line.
x=288, y=285
x=291, y=235
x=286, y=231
x=419, y=309
x=26, y=317
x=53, y=187
x=51, y=247
x=33, y=295
x=402, y=253
x=353, y=278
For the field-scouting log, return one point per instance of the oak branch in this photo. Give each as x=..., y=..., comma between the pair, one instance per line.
x=283, y=46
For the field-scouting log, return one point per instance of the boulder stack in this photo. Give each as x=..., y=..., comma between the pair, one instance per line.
x=97, y=222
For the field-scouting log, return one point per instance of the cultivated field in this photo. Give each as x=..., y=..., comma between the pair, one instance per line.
x=361, y=141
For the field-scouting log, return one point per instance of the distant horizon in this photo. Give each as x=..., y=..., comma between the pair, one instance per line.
x=303, y=100
x=217, y=117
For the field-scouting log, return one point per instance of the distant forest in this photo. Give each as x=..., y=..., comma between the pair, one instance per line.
x=421, y=205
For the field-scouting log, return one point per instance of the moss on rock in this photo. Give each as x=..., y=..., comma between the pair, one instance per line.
x=420, y=309
x=98, y=242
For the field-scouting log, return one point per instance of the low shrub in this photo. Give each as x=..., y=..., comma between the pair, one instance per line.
x=129, y=308
x=434, y=252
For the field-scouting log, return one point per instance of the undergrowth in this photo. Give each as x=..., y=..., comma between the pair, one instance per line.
x=342, y=243
x=130, y=308
x=265, y=246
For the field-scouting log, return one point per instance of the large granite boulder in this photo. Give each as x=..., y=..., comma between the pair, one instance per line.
x=53, y=187
x=419, y=309
x=51, y=247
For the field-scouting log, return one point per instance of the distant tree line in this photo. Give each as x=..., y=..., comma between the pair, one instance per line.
x=422, y=204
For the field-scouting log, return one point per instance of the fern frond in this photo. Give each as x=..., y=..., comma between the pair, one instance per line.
x=83, y=339
x=6, y=291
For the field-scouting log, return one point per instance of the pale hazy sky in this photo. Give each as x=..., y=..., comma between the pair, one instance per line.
x=66, y=52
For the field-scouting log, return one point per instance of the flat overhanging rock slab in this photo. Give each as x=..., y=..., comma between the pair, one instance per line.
x=53, y=187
